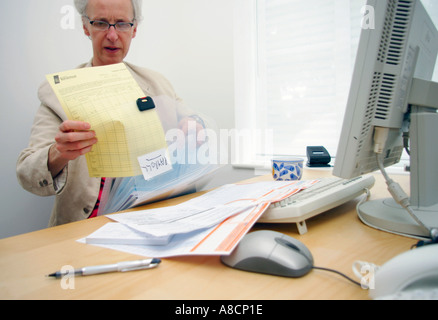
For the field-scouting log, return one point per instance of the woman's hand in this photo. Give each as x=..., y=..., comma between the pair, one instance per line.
x=73, y=139
x=193, y=129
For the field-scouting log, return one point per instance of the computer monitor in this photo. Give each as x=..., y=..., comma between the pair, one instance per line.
x=392, y=106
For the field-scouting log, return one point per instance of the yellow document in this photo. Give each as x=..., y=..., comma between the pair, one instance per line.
x=106, y=97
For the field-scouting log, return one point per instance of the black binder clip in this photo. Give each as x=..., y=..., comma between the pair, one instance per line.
x=145, y=104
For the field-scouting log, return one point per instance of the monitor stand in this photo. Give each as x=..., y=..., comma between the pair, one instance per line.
x=386, y=214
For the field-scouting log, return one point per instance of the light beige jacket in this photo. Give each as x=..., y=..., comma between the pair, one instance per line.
x=77, y=197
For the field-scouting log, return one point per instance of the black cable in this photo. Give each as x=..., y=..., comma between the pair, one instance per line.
x=339, y=273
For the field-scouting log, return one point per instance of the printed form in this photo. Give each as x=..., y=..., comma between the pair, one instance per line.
x=106, y=98
x=211, y=224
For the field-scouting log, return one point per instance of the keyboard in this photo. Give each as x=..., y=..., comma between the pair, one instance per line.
x=326, y=194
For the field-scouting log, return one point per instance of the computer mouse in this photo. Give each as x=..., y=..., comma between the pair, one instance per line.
x=271, y=253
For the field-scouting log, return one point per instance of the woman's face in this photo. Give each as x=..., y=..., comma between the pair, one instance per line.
x=110, y=46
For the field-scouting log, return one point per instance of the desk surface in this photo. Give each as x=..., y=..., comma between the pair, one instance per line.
x=336, y=239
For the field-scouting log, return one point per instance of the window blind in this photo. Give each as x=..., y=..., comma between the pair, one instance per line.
x=307, y=52
x=293, y=72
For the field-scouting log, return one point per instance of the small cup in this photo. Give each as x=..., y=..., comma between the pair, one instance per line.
x=287, y=168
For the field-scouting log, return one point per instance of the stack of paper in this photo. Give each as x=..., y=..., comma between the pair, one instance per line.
x=118, y=233
x=124, y=193
x=211, y=224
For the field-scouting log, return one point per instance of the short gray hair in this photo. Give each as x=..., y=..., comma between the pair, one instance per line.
x=81, y=7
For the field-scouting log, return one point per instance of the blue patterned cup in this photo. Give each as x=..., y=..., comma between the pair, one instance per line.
x=287, y=168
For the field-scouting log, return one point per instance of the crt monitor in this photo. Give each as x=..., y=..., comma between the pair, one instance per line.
x=392, y=106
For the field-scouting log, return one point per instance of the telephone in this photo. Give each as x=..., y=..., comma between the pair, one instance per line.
x=410, y=275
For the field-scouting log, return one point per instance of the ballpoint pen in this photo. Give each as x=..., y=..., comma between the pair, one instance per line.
x=116, y=267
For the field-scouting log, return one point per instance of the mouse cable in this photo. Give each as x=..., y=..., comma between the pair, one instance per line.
x=339, y=273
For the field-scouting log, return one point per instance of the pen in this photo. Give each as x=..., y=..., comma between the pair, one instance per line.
x=116, y=267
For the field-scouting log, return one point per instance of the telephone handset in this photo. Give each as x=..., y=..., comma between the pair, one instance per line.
x=408, y=273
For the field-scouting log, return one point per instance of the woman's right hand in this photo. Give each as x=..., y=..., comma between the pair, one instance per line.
x=73, y=139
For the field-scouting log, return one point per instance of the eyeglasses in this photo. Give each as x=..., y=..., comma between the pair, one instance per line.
x=104, y=26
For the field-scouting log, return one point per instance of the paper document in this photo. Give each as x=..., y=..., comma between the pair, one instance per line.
x=207, y=210
x=211, y=224
x=217, y=240
x=117, y=233
x=178, y=219
x=106, y=97
x=120, y=194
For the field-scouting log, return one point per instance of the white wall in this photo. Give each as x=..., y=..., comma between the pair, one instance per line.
x=189, y=41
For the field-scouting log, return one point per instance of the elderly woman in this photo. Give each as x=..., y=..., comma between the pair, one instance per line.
x=54, y=162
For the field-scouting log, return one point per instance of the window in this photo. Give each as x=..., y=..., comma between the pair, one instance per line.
x=294, y=63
